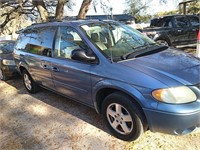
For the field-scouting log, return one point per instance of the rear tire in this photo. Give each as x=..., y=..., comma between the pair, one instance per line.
x=123, y=117
x=29, y=83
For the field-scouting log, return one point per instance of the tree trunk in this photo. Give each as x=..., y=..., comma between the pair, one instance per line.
x=41, y=9
x=84, y=9
x=60, y=9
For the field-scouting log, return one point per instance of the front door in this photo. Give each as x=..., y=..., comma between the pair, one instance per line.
x=71, y=78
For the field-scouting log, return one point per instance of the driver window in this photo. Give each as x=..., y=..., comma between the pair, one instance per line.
x=67, y=40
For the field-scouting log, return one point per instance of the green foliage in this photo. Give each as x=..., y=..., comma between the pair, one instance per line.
x=194, y=8
x=165, y=13
x=142, y=18
x=135, y=7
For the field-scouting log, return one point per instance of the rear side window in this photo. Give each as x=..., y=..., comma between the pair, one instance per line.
x=182, y=21
x=194, y=21
x=41, y=41
x=23, y=41
x=161, y=22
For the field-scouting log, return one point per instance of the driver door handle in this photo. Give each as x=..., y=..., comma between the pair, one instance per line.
x=194, y=29
x=46, y=67
x=55, y=69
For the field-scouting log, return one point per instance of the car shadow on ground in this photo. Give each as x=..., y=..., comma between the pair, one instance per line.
x=67, y=105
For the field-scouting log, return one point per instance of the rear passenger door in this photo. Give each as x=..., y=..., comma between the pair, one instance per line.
x=39, y=55
x=181, y=32
x=71, y=78
x=194, y=22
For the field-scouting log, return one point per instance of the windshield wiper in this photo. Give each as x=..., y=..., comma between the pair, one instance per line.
x=125, y=56
x=144, y=50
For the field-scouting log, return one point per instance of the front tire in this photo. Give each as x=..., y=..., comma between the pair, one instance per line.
x=2, y=75
x=163, y=42
x=123, y=117
x=29, y=83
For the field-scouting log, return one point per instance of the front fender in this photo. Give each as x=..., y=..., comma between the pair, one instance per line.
x=130, y=90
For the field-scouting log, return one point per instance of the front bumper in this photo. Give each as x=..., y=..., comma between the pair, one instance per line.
x=9, y=71
x=182, y=119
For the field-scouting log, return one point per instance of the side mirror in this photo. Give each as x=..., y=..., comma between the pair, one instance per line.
x=79, y=54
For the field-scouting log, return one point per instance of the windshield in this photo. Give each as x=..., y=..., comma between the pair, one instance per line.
x=6, y=47
x=115, y=39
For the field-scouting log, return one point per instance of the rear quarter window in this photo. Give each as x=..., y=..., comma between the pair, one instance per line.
x=23, y=41
x=41, y=41
x=194, y=21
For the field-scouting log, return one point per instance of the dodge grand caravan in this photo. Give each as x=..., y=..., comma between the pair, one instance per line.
x=136, y=84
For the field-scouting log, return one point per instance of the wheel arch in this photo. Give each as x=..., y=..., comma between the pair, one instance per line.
x=106, y=90
x=164, y=38
x=22, y=68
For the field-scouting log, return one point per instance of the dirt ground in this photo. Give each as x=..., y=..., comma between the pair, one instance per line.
x=48, y=121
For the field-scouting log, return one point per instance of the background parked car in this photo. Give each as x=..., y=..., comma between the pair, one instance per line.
x=174, y=30
x=7, y=64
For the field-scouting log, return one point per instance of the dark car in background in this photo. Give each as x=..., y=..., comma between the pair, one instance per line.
x=7, y=64
x=174, y=30
x=135, y=83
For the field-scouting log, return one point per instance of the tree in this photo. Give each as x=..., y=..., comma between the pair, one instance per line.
x=40, y=5
x=60, y=9
x=10, y=11
x=193, y=7
x=30, y=10
x=136, y=7
x=84, y=9
x=43, y=11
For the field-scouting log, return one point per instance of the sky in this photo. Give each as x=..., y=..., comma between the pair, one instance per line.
x=119, y=6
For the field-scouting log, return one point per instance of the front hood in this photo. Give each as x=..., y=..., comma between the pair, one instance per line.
x=8, y=56
x=171, y=65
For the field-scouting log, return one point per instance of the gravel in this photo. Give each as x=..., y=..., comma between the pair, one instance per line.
x=48, y=121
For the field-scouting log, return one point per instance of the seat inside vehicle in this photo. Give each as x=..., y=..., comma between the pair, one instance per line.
x=96, y=39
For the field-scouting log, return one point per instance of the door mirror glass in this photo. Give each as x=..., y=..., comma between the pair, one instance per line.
x=80, y=55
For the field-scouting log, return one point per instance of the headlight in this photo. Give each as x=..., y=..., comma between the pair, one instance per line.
x=176, y=95
x=8, y=62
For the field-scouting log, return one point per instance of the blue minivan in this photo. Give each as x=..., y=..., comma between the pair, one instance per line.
x=135, y=83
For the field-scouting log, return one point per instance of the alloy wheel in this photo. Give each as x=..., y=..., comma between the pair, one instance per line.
x=27, y=82
x=119, y=118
